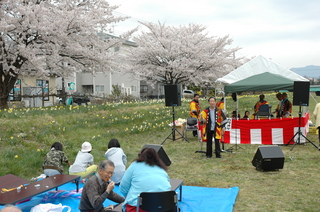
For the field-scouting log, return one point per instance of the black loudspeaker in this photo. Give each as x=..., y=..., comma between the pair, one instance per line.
x=162, y=154
x=268, y=158
x=301, y=93
x=172, y=95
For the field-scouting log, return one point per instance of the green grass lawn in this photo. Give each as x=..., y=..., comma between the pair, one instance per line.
x=27, y=134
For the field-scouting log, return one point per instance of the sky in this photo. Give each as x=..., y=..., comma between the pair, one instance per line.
x=285, y=31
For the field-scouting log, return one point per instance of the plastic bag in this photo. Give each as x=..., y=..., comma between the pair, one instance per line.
x=49, y=207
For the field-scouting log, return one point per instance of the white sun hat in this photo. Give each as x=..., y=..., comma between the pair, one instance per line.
x=86, y=147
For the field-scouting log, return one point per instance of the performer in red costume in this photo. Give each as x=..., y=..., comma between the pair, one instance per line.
x=212, y=120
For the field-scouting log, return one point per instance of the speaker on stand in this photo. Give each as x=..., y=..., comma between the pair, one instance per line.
x=172, y=95
x=173, y=98
x=301, y=91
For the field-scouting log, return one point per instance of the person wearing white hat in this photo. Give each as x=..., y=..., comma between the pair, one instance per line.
x=84, y=162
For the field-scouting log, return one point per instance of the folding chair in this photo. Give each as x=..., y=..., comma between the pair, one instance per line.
x=192, y=125
x=162, y=201
x=264, y=110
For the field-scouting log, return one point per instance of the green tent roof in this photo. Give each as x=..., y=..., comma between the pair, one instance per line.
x=261, y=82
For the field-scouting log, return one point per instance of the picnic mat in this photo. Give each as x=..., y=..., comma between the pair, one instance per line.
x=194, y=198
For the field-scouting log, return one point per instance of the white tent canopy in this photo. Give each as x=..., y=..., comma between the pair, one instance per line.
x=258, y=65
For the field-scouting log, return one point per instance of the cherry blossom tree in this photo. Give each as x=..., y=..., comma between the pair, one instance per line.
x=45, y=37
x=181, y=55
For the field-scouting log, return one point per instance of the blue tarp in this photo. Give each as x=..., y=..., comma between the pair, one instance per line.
x=194, y=199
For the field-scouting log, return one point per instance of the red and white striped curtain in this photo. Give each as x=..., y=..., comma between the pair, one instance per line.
x=265, y=131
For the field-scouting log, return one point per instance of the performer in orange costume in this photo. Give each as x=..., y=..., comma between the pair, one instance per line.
x=220, y=104
x=195, y=109
x=260, y=102
x=212, y=119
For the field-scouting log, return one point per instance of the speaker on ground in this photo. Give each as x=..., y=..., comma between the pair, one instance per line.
x=268, y=158
x=301, y=93
x=162, y=154
x=172, y=95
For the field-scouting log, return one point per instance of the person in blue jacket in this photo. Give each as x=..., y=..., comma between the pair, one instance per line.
x=147, y=173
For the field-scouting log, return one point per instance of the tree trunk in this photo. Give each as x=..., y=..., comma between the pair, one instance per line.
x=6, y=85
x=63, y=92
x=7, y=78
x=3, y=103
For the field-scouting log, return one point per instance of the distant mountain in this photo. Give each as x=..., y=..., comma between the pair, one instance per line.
x=308, y=71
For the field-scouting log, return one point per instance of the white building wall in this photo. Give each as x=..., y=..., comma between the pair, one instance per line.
x=100, y=83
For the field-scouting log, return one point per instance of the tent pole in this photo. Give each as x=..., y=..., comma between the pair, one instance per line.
x=237, y=112
x=236, y=130
x=313, y=97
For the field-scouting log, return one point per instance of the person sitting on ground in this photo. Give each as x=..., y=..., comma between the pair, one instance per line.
x=99, y=188
x=52, y=164
x=259, y=103
x=286, y=106
x=117, y=156
x=147, y=173
x=84, y=162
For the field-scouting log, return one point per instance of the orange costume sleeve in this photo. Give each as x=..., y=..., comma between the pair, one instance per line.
x=220, y=105
x=203, y=126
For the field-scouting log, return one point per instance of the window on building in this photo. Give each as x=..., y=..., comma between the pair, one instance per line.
x=126, y=91
x=15, y=93
x=133, y=88
x=143, y=88
x=99, y=88
x=44, y=84
x=87, y=89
